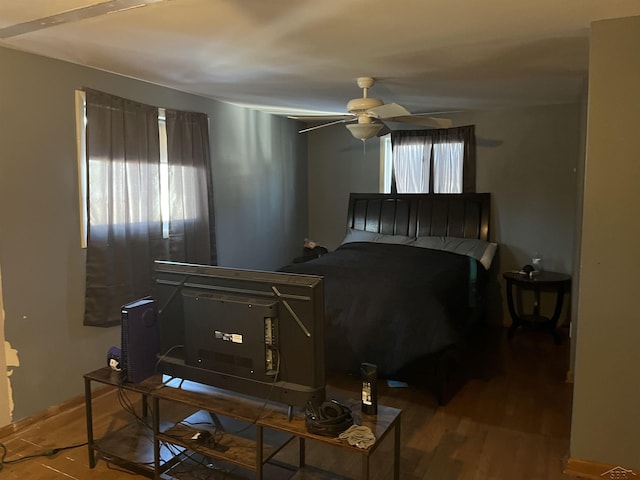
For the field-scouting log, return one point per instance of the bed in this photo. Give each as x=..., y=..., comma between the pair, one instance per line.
x=406, y=288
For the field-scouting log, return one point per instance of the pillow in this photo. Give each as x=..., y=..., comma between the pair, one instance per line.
x=354, y=235
x=481, y=250
x=398, y=239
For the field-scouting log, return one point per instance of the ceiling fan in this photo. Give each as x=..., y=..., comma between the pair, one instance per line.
x=371, y=115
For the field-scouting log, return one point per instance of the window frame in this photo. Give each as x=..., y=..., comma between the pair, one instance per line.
x=465, y=136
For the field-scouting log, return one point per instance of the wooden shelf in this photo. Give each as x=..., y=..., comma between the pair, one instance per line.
x=131, y=446
x=245, y=433
x=235, y=444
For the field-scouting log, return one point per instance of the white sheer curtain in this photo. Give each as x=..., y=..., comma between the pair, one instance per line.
x=447, y=167
x=411, y=157
x=438, y=161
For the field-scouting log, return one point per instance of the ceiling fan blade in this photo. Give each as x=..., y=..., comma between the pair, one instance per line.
x=320, y=118
x=423, y=121
x=392, y=112
x=388, y=110
x=344, y=120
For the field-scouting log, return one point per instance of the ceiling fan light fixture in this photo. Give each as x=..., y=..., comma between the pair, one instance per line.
x=363, y=104
x=364, y=131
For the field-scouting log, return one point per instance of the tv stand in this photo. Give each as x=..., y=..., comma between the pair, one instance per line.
x=253, y=431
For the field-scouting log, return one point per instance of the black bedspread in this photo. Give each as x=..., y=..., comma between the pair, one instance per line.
x=390, y=304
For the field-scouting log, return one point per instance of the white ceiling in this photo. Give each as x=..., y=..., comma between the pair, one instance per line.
x=289, y=56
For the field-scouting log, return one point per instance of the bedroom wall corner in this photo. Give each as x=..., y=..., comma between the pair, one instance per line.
x=259, y=164
x=575, y=282
x=338, y=165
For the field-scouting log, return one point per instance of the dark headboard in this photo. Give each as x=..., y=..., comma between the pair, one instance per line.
x=464, y=215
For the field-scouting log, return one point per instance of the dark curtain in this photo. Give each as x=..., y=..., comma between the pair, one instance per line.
x=128, y=220
x=429, y=138
x=191, y=226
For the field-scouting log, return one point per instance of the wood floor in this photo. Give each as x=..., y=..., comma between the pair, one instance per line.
x=509, y=420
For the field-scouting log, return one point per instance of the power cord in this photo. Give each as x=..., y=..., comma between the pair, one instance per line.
x=45, y=453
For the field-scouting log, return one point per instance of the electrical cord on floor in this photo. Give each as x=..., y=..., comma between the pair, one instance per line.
x=45, y=453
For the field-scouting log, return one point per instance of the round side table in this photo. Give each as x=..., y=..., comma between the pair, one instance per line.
x=540, y=281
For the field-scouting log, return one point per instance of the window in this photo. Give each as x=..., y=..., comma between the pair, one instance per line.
x=145, y=188
x=424, y=161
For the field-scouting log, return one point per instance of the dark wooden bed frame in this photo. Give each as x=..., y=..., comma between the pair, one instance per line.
x=464, y=215
x=455, y=215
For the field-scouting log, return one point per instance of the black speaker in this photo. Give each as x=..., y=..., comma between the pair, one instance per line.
x=369, y=374
x=140, y=340
x=328, y=419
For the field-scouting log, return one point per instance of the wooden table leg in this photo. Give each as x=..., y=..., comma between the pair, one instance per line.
x=259, y=440
x=145, y=406
x=88, y=408
x=396, y=449
x=556, y=314
x=365, y=467
x=302, y=459
x=156, y=443
x=515, y=318
x=548, y=324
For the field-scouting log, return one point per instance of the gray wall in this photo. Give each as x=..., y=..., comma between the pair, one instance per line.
x=260, y=175
x=527, y=158
x=338, y=165
x=260, y=187
x=606, y=422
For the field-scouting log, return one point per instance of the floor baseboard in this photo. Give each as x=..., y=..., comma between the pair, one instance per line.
x=594, y=470
x=71, y=404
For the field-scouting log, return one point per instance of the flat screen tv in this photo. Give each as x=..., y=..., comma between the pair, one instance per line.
x=252, y=332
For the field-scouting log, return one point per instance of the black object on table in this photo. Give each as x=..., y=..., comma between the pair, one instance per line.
x=538, y=281
x=310, y=254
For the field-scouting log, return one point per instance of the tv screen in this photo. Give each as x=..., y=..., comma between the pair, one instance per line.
x=253, y=332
